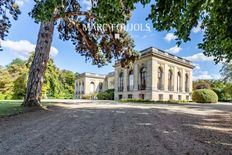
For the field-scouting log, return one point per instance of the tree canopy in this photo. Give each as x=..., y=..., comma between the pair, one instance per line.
x=81, y=27
x=180, y=16
x=213, y=15
x=57, y=83
x=7, y=7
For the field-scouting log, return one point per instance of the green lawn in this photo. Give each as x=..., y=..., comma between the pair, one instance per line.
x=8, y=108
x=13, y=107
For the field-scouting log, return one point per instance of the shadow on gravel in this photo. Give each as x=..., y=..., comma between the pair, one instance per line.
x=119, y=129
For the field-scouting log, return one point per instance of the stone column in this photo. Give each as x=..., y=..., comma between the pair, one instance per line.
x=154, y=74
x=183, y=80
x=175, y=78
x=136, y=76
x=149, y=75
x=116, y=80
x=86, y=87
x=190, y=82
x=166, y=68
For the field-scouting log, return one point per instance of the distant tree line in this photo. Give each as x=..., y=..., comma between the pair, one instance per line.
x=57, y=83
x=222, y=87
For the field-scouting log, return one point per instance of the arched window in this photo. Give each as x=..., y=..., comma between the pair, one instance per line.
x=120, y=86
x=179, y=81
x=160, y=85
x=170, y=80
x=100, y=87
x=143, y=78
x=92, y=87
x=130, y=80
x=186, y=83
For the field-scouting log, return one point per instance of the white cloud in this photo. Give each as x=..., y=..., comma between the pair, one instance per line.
x=197, y=28
x=23, y=48
x=169, y=37
x=174, y=49
x=204, y=75
x=20, y=2
x=197, y=66
x=87, y=4
x=199, y=57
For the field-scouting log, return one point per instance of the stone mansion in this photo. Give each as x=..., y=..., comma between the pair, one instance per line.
x=157, y=75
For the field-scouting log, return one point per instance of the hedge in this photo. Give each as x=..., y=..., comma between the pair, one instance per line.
x=205, y=96
x=107, y=95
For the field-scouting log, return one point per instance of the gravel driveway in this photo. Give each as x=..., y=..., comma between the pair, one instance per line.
x=119, y=128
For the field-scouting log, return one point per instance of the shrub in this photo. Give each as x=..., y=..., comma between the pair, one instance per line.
x=204, y=96
x=107, y=95
x=220, y=93
x=87, y=97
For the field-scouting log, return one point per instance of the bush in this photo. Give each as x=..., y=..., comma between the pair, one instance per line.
x=205, y=96
x=87, y=97
x=107, y=95
x=220, y=93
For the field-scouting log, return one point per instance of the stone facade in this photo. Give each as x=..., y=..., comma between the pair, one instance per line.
x=157, y=75
x=90, y=83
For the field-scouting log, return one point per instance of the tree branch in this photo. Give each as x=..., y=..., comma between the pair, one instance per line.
x=76, y=13
x=77, y=26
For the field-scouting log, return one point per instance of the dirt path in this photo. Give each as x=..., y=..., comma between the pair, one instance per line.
x=113, y=128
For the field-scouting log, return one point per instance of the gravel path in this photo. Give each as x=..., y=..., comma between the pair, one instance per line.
x=115, y=128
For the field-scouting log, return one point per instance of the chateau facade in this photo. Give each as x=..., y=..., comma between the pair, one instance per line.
x=90, y=83
x=157, y=75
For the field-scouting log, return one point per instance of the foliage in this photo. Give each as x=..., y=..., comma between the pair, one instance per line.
x=7, y=7
x=204, y=96
x=107, y=95
x=221, y=88
x=226, y=72
x=57, y=83
x=80, y=26
x=213, y=16
x=201, y=84
x=6, y=84
x=87, y=97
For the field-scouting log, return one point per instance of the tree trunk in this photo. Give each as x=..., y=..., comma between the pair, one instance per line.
x=39, y=65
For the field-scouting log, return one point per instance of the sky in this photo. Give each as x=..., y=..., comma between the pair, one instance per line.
x=23, y=35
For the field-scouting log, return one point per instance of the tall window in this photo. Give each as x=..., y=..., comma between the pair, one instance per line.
x=131, y=80
x=179, y=81
x=92, y=87
x=160, y=79
x=143, y=78
x=170, y=80
x=120, y=87
x=100, y=87
x=186, y=83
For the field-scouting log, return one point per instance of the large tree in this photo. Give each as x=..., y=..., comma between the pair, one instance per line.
x=98, y=44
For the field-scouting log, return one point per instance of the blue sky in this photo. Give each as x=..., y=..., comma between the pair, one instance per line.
x=23, y=34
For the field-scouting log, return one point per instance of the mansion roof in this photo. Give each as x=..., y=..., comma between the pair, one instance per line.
x=151, y=51
x=101, y=76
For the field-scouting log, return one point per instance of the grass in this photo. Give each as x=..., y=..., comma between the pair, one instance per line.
x=8, y=108
x=13, y=107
